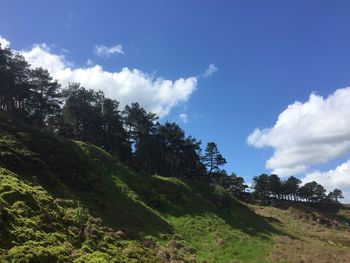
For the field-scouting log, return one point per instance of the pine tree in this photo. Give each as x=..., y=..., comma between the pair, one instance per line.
x=212, y=158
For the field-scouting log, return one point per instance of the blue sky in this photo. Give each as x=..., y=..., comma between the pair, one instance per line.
x=269, y=54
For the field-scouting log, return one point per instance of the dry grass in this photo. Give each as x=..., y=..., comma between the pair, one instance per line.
x=312, y=235
x=299, y=251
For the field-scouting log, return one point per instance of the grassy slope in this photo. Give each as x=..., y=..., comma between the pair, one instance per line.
x=116, y=215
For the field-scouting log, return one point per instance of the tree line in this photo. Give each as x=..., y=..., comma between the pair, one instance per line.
x=271, y=186
x=132, y=134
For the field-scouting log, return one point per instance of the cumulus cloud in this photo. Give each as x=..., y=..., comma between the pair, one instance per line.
x=306, y=134
x=337, y=178
x=183, y=117
x=157, y=95
x=103, y=51
x=210, y=71
x=4, y=42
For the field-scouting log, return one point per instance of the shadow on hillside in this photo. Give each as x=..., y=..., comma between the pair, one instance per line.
x=63, y=168
x=172, y=197
x=324, y=207
x=65, y=171
x=328, y=211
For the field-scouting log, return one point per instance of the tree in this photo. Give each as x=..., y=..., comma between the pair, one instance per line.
x=114, y=137
x=261, y=186
x=212, y=159
x=14, y=87
x=172, y=139
x=319, y=193
x=192, y=166
x=45, y=100
x=27, y=94
x=89, y=116
x=82, y=114
x=291, y=186
x=312, y=191
x=336, y=194
x=233, y=183
x=139, y=124
x=275, y=185
x=141, y=127
x=179, y=156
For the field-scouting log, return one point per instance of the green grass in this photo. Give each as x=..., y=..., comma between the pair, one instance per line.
x=68, y=201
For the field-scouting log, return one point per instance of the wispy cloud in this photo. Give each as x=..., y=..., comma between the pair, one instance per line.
x=104, y=51
x=68, y=23
x=183, y=117
x=210, y=71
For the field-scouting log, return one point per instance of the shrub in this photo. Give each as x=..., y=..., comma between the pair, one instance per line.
x=81, y=215
x=222, y=197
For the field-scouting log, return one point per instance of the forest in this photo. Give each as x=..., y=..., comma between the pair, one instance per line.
x=133, y=135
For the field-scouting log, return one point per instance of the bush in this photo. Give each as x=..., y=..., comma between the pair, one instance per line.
x=222, y=197
x=81, y=215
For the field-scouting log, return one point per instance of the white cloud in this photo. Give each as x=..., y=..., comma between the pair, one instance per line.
x=103, y=51
x=210, y=71
x=306, y=134
x=89, y=63
x=183, y=117
x=4, y=42
x=337, y=178
x=157, y=95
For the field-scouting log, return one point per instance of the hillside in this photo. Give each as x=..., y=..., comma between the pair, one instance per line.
x=68, y=201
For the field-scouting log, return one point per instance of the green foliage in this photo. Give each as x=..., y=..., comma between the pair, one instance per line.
x=88, y=116
x=267, y=186
x=222, y=196
x=81, y=215
x=25, y=93
x=313, y=191
x=335, y=195
x=233, y=183
x=261, y=186
x=212, y=158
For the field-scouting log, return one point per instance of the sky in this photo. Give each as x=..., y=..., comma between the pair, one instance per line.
x=266, y=80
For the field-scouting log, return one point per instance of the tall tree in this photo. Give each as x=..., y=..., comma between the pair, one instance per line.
x=261, y=186
x=192, y=165
x=114, y=137
x=312, y=191
x=319, y=193
x=141, y=127
x=45, y=100
x=275, y=185
x=212, y=158
x=291, y=187
x=139, y=124
x=170, y=153
x=82, y=114
x=14, y=89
